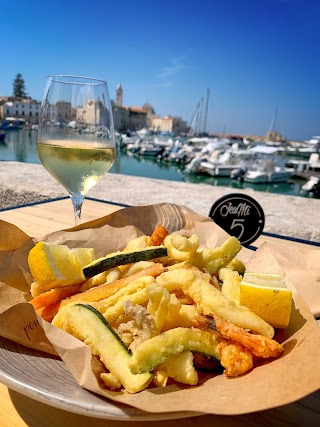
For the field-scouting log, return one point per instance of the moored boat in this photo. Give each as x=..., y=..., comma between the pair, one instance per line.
x=263, y=177
x=150, y=150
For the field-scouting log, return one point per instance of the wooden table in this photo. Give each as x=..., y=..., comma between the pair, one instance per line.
x=17, y=410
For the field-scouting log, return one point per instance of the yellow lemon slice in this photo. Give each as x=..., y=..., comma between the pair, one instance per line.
x=57, y=265
x=268, y=297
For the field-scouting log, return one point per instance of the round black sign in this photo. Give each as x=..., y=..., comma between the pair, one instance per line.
x=240, y=216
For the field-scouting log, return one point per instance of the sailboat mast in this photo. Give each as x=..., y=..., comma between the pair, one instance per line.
x=197, y=119
x=206, y=111
x=274, y=121
x=200, y=116
x=193, y=121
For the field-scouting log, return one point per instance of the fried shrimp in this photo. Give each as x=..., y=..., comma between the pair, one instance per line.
x=210, y=301
x=235, y=358
x=259, y=345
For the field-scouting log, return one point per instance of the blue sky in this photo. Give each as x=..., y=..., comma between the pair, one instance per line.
x=255, y=56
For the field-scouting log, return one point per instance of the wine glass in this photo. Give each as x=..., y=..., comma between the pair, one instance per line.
x=76, y=142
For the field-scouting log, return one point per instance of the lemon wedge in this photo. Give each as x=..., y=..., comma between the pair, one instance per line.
x=57, y=265
x=268, y=297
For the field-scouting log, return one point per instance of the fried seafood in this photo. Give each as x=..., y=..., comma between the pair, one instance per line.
x=237, y=265
x=181, y=248
x=210, y=301
x=235, y=358
x=168, y=317
x=139, y=328
x=214, y=259
x=181, y=368
x=159, y=299
x=259, y=345
x=230, y=284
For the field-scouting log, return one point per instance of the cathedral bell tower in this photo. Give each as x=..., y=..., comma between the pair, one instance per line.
x=119, y=95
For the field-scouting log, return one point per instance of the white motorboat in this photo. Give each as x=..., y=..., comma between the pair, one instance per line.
x=150, y=150
x=301, y=151
x=314, y=162
x=312, y=183
x=269, y=167
x=143, y=132
x=224, y=163
x=134, y=147
x=315, y=140
x=267, y=172
x=263, y=177
x=181, y=155
x=216, y=169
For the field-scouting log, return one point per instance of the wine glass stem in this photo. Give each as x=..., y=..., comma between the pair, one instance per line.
x=77, y=202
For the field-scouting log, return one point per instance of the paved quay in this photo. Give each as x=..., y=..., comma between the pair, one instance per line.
x=292, y=216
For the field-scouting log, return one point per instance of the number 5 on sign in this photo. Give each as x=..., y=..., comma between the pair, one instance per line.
x=239, y=215
x=238, y=223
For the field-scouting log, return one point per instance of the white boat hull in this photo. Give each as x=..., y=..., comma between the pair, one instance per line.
x=216, y=170
x=260, y=177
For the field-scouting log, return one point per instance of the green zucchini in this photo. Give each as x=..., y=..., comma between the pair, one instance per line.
x=122, y=258
x=86, y=323
x=156, y=350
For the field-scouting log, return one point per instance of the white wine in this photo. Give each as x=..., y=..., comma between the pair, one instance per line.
x=77, y=165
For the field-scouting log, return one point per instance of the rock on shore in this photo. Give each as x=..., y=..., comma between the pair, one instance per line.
x=23, y=183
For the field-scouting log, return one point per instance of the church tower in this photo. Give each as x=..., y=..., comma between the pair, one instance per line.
x=119, y=95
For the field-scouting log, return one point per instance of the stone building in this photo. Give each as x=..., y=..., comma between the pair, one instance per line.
x=136, y=118
x=27, y=109
x=92, y=113
x=151, y=114
x=169, y=124
x=164, y=124
x=128, y=118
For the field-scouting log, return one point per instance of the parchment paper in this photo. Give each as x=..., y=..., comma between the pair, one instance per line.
x=271, y=384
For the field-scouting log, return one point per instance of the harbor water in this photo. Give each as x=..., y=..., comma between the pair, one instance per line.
x=21, y=146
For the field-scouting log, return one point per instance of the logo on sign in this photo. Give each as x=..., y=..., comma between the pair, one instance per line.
x=242, y=209
x=240, y=216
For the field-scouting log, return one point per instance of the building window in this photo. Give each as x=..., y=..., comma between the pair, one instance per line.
x=30, y=113
x=23, y=113
x=17, y=112
x=8, y=111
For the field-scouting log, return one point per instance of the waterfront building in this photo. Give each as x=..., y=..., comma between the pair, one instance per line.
x=136, y=118
x=169, y=124
x=64, y=111
x=132, y=118
x=127, y=117
x=27, y=109
x=151, y=114
x=90, y=114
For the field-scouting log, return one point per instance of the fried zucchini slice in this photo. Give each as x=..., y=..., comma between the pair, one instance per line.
x=123, y=258
x=156, y=350
x=88, y=325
